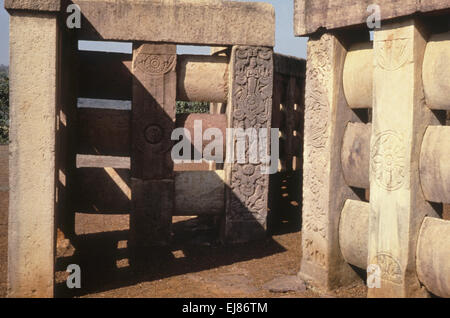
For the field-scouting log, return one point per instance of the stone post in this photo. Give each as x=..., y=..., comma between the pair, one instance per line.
x=400, y=118
x=34, y=53
x=153, y=120
x=324, y=188
x=249, y=106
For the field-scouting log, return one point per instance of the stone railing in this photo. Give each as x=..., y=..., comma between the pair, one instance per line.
x=375, y=119
x=61, y=156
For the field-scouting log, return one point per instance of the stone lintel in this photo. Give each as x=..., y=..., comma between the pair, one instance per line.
x=310, y=16
x=194, y=22
x=33, y=5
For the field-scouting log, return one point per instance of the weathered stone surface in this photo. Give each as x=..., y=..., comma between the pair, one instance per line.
x=199, y=192
x=107, y=132
x=153, y=120
x=436, y=71
x=221, y=22
x=433, y=256
x=103, y=132
x=397, y=204
x=151, y=215
x=249, y=106
x=310, y=16
x=202, y=78
x=355, y=154
x=434, y=164
x=354, y=232
x=102, y=190
x=33, y=79
x=91, y=161
x=153, y=111
x=207, y=121
x=324, y=187
x=286, y=284
x=358, y=75
x=100, y=223
x=41, y=5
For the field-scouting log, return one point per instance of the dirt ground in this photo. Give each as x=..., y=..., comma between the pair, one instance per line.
x=195, y=264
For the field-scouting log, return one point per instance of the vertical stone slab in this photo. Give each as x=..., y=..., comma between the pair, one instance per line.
x=324, y=189
x=153, y=120
x=249, y=106
x=34, y=47
x=151, y=217
x=66, y=140
x=153, y=110
x=400, y=118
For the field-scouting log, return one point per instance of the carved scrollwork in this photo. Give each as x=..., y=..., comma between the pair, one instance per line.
x=317, y=113
x=252, y=102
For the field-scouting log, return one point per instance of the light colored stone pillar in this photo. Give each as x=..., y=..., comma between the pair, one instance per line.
x=34, y=47
x=324, y=188
x=400, y=118
x=249, y=106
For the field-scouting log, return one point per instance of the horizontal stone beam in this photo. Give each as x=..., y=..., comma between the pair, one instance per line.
x=354, y=232
x=108, y=190
x=433, y=257
x=211, y=22
x=106, y=132
x=310, y=16
x=100, y=223
x=355, y=155
x=434, y=164
x=436, y=71
x=33, y=5
x=206, y=22
x=358, y=75
x=200, y=78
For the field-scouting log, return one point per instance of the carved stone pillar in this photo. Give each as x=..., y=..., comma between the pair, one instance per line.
x=249, y=106
x=400, y=118
x=324, y=188
x=153, y=120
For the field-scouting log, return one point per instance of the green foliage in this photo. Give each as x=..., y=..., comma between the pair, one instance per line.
x=192, y=107
x=4, y=108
